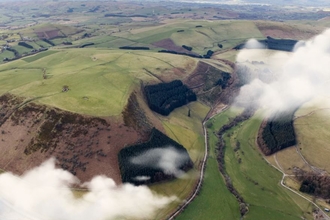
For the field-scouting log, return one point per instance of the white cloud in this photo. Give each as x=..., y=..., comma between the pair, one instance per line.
x=44, y=194
x=298, y=77
x=168, y=159
x=254, y=44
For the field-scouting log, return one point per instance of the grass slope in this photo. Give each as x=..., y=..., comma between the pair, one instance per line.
x=99, y=80
x=312, y=130
x=266, y=199
x=187, y=131
x=256, y=181
x=214, y=200
x=206, y=37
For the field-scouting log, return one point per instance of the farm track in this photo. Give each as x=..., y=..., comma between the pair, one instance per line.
x=201, y=177
x=315, y=169
x=279, y=168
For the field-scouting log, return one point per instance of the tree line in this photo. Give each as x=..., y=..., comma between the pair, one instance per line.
x=208, y=54
x=220, y=148
x=48, y=41
x=24, y=44
x=133, y=48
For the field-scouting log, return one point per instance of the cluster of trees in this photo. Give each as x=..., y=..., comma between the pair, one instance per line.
x=314, y=183
x=16, y=53
x=208, y=54
x=129, y=171
x=133, y=48
x=179, y=53
x=67, y=43
x=278, y=133
x=163, y=98
x=86, y=45
x=23, y=44
x=224, y=81
x=48, y=41
x=247, y=113
x=187, y=47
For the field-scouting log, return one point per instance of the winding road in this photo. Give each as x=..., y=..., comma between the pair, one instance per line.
x=201, y=176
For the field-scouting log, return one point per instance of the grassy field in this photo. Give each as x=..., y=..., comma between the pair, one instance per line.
x=287, y=159
x=6, y=54
x=214, y=200
x=99, y=80
x=188, y=132
x=201, y=35
x=255, y=180
x=313, y=135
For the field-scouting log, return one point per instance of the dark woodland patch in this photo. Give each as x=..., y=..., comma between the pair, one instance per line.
x=149, y=170
x=278, y=133
x=274, y=44
x=24, y=44
x=163, y=98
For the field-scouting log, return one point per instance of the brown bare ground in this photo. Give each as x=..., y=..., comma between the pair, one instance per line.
x=49, y=34
x=85, y=146
x=203, y=76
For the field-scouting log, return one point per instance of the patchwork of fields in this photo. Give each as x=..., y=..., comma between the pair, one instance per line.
x=80, y=69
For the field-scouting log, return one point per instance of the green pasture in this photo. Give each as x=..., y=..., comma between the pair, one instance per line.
x=6, y=54
x=214, y=200
x=312, y=131
x=99, y=81
x=206, y=37
x=39, y=56
x=33, y=44
x=256, y=180
x=42, y=43
x=22, y=50
x=188, y=132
